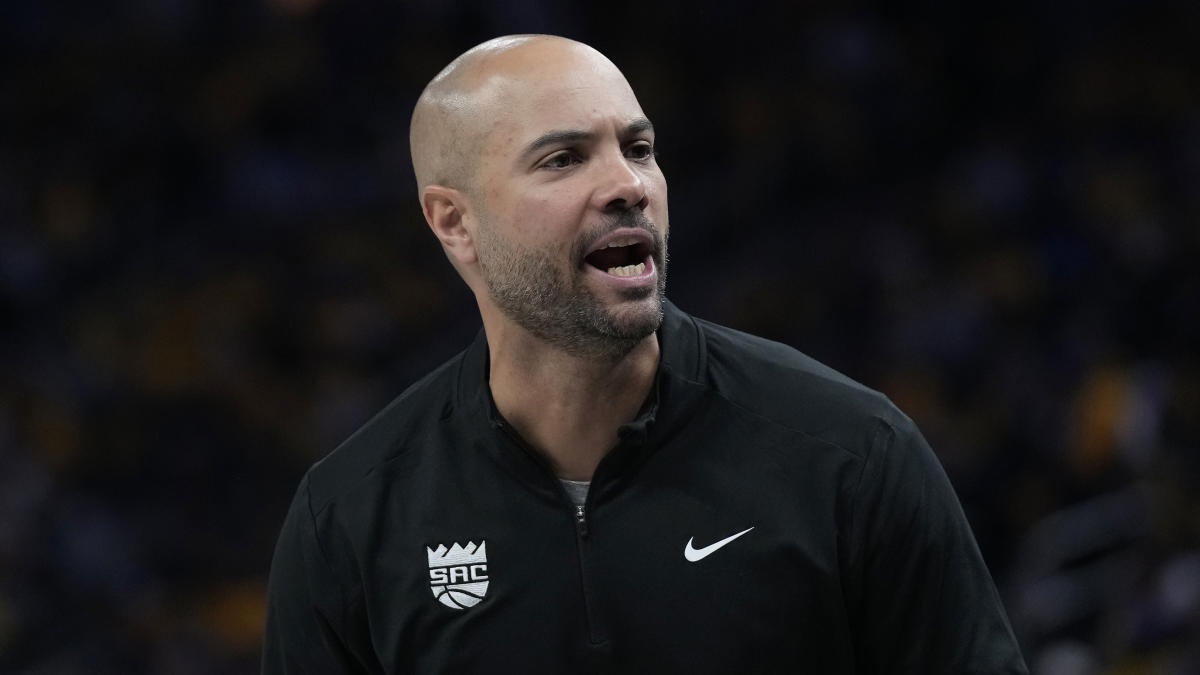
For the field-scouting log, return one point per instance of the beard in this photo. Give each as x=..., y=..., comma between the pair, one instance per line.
x=531, y=287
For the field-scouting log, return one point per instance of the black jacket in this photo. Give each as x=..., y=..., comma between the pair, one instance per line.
x=859, y=561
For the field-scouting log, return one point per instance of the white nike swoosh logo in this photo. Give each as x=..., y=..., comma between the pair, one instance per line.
x=696, y=554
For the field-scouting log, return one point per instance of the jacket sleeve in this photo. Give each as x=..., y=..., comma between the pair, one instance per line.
x=307, y=604
x=920, y=597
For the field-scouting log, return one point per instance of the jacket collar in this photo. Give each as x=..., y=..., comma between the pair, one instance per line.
x=678, y=391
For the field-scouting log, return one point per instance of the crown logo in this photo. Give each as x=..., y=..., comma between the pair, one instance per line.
x=458, y=575
x=457, y=554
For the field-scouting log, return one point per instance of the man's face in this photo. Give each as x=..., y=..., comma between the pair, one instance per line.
x=572, y=229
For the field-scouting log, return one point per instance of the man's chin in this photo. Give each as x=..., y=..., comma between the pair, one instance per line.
x=635, y=318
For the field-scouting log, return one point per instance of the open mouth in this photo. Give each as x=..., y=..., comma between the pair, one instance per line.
x=622, y=257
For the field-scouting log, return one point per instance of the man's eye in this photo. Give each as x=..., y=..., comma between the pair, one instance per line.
x=641, y=150
x=561, y=160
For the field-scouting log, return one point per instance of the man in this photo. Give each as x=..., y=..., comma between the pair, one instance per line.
x=602, y=483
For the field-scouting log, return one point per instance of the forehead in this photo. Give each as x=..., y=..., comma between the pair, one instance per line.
x=573, y=91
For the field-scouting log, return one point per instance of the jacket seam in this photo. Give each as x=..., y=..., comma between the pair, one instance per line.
x=356, y=588
x=870, y=456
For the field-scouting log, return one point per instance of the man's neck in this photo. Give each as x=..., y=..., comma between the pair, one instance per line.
x=568, y=407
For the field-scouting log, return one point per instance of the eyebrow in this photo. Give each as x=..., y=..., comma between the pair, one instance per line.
x=564, y=136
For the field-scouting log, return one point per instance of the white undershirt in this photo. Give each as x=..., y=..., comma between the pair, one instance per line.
x=577, y=490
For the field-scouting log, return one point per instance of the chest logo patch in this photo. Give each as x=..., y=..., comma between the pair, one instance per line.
x=458, y=575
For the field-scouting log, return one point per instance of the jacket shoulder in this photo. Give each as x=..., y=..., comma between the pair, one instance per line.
x=394, y=434
x=782, y=385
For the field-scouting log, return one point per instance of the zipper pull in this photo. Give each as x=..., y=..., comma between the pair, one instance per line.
x=581, y=521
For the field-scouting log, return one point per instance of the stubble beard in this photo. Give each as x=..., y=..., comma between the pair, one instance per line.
x=533, y=289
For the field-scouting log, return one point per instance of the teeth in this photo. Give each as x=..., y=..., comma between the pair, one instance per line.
x=627, y=270
x=626, y=241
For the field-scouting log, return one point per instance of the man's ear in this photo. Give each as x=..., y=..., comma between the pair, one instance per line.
x=444, y=209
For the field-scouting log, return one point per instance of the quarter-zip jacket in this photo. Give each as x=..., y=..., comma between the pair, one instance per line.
x=859, y=559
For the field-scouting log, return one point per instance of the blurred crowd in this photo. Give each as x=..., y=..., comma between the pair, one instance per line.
x=213, y=268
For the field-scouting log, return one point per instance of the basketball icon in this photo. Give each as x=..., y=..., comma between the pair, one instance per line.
x=459, y=598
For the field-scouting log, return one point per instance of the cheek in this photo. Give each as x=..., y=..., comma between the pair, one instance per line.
x=659, y=183
x=547, y=215
x=658, y=203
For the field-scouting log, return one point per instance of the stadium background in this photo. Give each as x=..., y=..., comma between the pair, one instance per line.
x=213, y=268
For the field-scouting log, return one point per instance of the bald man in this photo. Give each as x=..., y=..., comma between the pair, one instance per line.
x=601, y=482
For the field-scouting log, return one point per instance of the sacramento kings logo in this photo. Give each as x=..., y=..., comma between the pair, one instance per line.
x=459, y=574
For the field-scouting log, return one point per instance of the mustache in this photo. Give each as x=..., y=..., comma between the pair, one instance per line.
x=632, y=219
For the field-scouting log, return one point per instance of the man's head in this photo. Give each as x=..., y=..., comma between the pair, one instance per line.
x=536, y=170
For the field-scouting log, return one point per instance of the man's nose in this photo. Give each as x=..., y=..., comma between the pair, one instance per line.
x=622, y=186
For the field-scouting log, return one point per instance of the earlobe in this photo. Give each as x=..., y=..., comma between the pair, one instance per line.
x=445, y=211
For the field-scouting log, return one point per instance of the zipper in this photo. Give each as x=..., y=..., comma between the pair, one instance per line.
x=581, y=521
x=596, y=634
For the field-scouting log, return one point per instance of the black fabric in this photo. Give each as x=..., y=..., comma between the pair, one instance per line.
x=860, y=560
